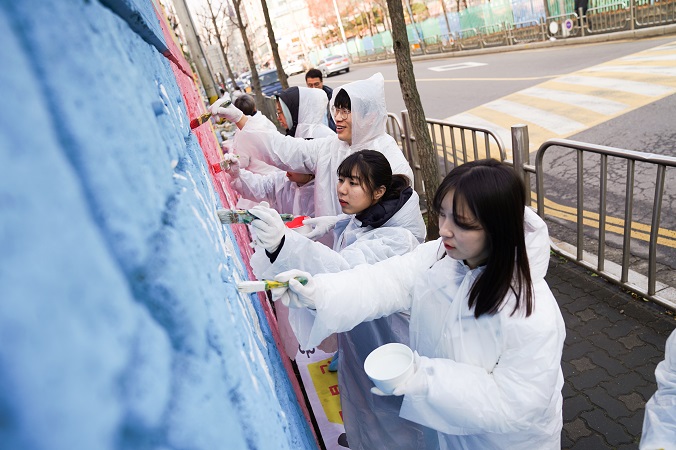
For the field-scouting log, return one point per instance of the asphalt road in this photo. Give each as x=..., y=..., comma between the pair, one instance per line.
x=491, y=87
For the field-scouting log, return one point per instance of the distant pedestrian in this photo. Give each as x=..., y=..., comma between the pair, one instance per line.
x=583, y=5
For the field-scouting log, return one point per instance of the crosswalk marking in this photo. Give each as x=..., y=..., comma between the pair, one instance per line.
x=648, y=70
x=670, y=57
x=617, y=84
x=550, y=121
x=593, y=103
x=568, y=104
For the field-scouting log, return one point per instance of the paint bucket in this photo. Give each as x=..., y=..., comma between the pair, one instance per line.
x=389, y=365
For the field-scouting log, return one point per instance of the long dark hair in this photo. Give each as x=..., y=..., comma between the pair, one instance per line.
x=496, y=197
x=373, y=170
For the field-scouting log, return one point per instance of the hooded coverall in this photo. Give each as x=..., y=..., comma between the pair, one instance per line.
x=488, y=383
x=370, y=421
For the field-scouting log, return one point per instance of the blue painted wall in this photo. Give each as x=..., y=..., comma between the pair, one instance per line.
x=120, y=326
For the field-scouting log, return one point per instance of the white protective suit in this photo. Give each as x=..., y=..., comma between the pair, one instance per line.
x=488, y=383
x=274, y=187
x=370, y=422
x=659, y=422
x=246, y=142
x=323, y=156
x=312, y=107
x=282, y=194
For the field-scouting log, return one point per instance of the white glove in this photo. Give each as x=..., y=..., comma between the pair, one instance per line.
x=296, y=295
x=320, y=226
x=269, y=226
x=231, y=165
x=412, y=385
x=230, y=112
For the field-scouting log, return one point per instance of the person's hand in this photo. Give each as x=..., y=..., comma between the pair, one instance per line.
x=296, y=295
x=230, y=112
x=269, y=226
x=411, y=385
x=232, y=165
x=320, y=226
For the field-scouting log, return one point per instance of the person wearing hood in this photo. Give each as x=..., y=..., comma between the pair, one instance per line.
x=360, y=114
x=487, y=332
x=302, y=111
x=244, y=141
x=659, y=422
x=378, y=222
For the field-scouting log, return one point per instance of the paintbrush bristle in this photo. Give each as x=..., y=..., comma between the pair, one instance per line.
x=229, y=216
x=248, y=287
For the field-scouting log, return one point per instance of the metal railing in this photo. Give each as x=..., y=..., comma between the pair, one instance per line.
x=607, y=18
x=619, y=16
x=648, y=13
x=457, y=143
x=631, y=158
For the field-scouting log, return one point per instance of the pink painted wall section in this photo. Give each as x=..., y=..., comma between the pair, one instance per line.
x=212, y=154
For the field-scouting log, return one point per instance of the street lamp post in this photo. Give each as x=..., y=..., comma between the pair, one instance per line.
x=342, y=30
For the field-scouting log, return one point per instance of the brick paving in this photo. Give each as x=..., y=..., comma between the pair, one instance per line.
x=614, y=342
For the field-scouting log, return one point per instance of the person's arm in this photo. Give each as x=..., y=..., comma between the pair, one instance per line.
x=345, y=299
x=257, y=187
x=275, y=149
x=459, y=398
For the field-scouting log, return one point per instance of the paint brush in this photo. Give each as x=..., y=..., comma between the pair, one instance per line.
x=230, y=216
x=194, y=123
x=265, y=285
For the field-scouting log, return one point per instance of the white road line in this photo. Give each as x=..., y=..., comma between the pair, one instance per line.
x=553, y=122
x=592, y=103
x=648, y=70
x=457, y=66
x=633, y=87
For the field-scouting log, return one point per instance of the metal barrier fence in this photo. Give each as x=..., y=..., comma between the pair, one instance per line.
x=456, y=144
x=661, y=163
x=619, y=16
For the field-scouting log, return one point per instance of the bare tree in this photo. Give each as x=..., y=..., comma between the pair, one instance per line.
x=213, y=23
x=273, y=45
x=241, y=24
x=409, y=90
x=382, y=4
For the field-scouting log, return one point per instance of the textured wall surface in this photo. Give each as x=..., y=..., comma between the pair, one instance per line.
x=120, y=323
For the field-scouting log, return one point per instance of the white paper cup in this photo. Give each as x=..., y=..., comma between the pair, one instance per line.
x=389, y=365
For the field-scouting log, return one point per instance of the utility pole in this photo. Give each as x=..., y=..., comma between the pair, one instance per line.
x=196, y=50
x=340, y=25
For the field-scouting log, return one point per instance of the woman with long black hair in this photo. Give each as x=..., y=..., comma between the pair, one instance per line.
x=487, y=331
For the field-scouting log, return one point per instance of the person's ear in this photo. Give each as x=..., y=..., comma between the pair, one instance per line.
x=379, y=192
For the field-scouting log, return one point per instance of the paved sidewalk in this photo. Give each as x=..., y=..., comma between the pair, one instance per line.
x=613, y=344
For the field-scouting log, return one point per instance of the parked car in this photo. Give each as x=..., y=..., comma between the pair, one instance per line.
x=270, y=84
x=245, y=80
x=334, y=64
x=294, y=67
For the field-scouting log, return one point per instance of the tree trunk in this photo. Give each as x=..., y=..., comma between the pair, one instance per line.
x=273, y=45
x=255, y=81
x=217, y=33
x=409, y=90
